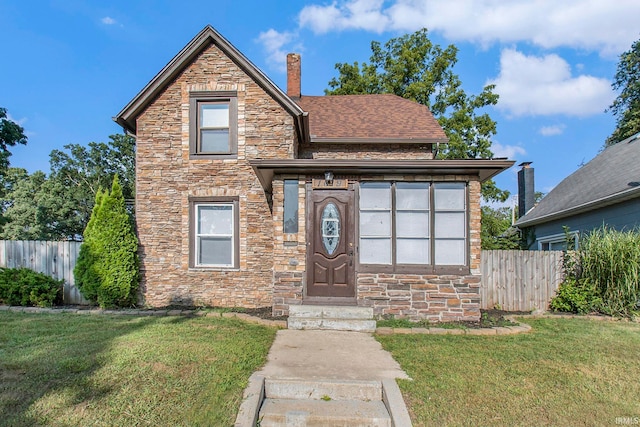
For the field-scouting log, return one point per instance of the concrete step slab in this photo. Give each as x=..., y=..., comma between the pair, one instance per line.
x=323, y=389
x=332, y=312
x=295, y=412
x=356, y=325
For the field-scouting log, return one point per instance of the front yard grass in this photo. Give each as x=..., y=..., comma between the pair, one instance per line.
x=564, y=372
x=78, y=370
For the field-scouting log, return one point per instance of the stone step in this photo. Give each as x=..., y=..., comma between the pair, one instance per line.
x=296, y=412
x=322, y=389
x=356, y=325
x=331, y=312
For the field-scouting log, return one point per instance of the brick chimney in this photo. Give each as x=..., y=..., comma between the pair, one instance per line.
x=526, y=189
x=293, y=75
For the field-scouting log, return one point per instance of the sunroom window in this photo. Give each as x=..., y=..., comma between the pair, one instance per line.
x=405, y=225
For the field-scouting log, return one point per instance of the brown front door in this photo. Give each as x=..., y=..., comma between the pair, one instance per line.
x=330, y=225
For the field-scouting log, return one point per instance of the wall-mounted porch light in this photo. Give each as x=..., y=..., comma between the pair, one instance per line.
x=328, y=177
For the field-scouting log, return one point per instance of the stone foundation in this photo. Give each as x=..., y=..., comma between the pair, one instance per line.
x=413, y=296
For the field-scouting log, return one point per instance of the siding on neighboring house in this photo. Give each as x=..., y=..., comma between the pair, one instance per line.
x=622, y=216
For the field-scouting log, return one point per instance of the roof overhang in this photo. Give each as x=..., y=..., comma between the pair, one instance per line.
x=623, y=196
x=129, y=114
x=484, y=169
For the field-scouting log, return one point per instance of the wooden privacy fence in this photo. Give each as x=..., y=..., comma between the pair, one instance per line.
x=519, y=280
x=55, y=259
x=513, y=280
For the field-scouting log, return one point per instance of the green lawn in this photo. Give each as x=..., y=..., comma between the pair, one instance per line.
x=564, y=372
x=80, y=370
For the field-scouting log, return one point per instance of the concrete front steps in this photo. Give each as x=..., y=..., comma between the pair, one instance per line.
x=293, y=403
x=337, y=318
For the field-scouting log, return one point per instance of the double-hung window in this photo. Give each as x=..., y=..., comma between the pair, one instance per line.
x=214, y=231
x=213, y=124
x=407, y=226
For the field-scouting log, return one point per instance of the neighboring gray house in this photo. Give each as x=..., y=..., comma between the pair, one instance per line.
x=604, y=191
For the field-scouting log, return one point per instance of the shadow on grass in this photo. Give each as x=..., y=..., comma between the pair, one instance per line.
x=49, y=360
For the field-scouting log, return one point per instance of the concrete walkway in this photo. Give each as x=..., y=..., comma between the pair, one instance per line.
x=328, y=378
x=329, y=355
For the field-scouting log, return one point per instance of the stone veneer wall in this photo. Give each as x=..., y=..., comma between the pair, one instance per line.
x=416, y=296
x=436, y=298
x=289, y=252
x=167, y=177
x=366, y=151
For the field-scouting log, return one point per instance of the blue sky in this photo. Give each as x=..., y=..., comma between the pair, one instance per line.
x=69, y=66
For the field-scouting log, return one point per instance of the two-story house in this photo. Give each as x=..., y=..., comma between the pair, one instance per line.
x=247, y=196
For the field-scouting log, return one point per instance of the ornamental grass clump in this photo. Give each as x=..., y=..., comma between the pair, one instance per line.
x=602, y=275
x=611, y=260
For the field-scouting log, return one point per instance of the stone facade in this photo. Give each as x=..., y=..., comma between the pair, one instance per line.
x=365, y=151
x=435, y=298
x=167, y=177
x=445, y=297
x=271, y=268
x=289, y=253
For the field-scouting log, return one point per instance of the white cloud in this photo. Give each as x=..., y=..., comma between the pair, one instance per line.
x=107, y=20
x=354, y=14
x=607, y=27
x=19, y=122
x=552, y=130
x=274, y=43
x=533, y=86
x=508, y=151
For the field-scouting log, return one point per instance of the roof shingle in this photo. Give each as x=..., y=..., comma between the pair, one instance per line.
x=610, y=176
x=370, y=117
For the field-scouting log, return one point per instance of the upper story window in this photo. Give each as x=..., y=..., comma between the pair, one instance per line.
x=413, y=226
x=213, y=124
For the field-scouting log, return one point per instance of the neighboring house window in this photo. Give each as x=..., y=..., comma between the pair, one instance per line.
x=213, y=124
x=290, y=219
x=214, y=232
x=413, y=225
x=558, y=242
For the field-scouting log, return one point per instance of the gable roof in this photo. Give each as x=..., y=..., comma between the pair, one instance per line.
x=383, y=118
x=127, y=117
x=611, y=177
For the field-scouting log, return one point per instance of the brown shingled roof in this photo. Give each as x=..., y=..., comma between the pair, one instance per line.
x=383, y=117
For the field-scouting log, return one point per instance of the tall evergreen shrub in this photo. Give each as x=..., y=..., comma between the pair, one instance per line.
x=107, y=268
x=85, y=271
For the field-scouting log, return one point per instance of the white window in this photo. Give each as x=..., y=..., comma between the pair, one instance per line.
x=450, y=223
x=375, y=223
x=213, y=120
x=407, y=225
x=412, y=223
x=558, y=242
x=214, y=237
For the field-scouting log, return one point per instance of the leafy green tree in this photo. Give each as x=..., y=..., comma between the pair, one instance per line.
x=626, y=107
x=81, y=170
x=107, y=268
x=58, y=206
x=412, y=67
x=496, y=231
x=23, y=215
x=11, y=134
